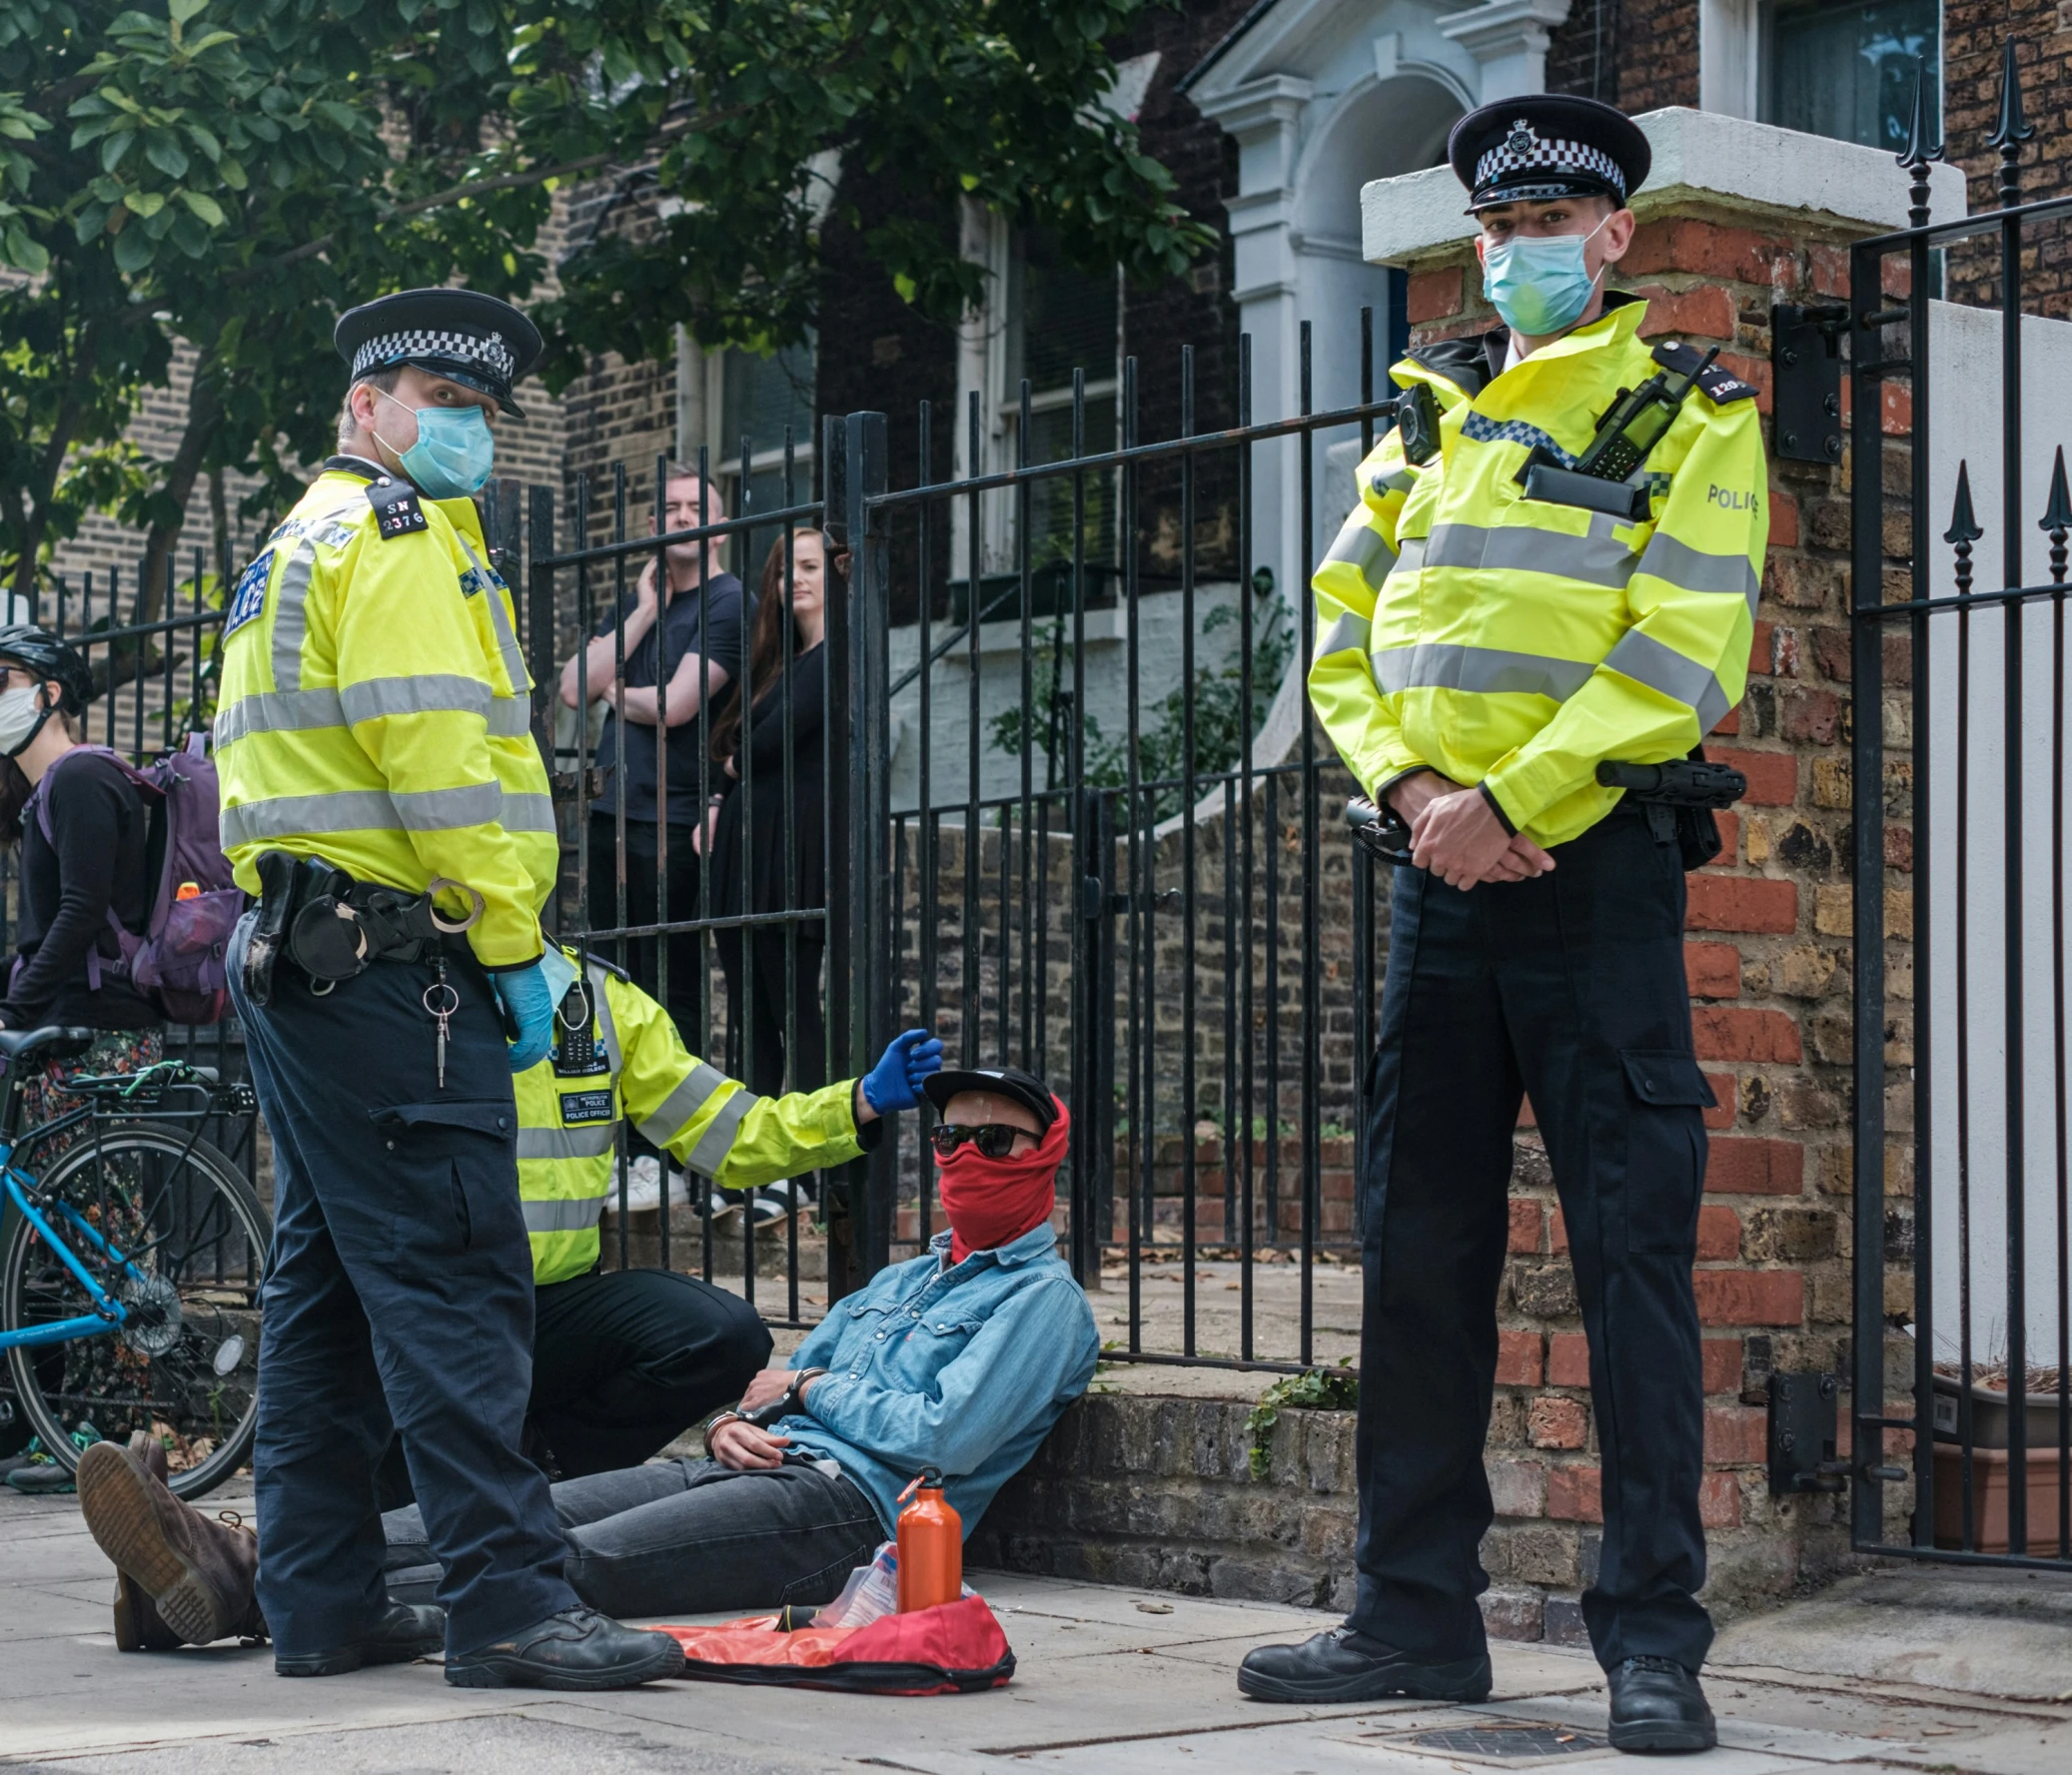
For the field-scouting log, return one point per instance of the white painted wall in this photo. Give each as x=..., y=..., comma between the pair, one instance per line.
x=1965, y=424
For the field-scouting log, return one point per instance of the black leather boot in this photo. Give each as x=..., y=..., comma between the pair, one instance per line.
x=1343, y=1665
x=575, y=1649
x=1659, y=1710
x=406, y=1631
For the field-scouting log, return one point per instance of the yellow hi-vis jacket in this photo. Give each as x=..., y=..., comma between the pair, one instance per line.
x=1517, y=643
x=717, y=1127
x=374, y=709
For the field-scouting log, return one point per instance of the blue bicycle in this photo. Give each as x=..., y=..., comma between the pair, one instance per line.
x=130, y=1277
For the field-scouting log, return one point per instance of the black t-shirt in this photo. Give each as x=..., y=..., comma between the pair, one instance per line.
x=100, y=858
x=712, y=623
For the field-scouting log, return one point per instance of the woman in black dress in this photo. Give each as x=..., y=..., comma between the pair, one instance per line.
x=773, y=978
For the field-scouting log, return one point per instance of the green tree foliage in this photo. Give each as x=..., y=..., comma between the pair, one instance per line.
x=230, y=174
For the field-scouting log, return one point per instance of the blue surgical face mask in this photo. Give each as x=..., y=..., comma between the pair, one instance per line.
x=1539, y=283
x=454, y=454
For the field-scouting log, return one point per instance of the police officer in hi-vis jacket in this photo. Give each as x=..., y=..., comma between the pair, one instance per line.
x=1488, y=637
x=383, y=795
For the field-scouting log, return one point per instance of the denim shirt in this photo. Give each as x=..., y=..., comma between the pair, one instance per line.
x=960, y=1367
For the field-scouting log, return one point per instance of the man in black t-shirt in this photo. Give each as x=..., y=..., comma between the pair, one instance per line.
x=689, y=635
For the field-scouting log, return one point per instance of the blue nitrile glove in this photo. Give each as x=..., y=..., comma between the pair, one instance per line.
x=528, y=1014
x=896, y=1082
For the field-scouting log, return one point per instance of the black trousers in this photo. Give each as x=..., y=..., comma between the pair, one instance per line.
x=398, y=1299
x=625, y=1362
x=688, y=1537
x=764, y=1007
x=1570, y=988
x=643, y=907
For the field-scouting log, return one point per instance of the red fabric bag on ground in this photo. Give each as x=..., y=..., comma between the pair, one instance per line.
x=954, y=1649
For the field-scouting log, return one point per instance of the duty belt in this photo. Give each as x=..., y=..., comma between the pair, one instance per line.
x=334, y=928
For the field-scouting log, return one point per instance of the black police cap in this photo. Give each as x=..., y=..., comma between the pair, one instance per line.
x=1545, y=146
x=1008, y=1081
x=475, y=340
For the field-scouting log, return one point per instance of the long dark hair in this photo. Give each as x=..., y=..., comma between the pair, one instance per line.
x=766, y=634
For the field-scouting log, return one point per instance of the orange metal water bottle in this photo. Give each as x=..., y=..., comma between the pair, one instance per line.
x=931, y=1547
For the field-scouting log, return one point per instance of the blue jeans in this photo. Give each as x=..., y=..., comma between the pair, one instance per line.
x=688, y=1537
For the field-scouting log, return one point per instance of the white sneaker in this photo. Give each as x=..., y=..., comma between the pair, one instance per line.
x=779, y=1201
x=645, y=1187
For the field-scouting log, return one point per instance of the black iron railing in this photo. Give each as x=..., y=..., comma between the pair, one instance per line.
x=1987, y=931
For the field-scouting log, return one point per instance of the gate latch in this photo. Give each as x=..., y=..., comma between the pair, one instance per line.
x=1803, y=1435
x=1807, y=379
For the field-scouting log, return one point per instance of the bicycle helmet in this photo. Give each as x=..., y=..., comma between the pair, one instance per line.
x=49, y=657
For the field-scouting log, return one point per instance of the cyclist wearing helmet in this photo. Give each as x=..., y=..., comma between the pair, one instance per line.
x=95, y=857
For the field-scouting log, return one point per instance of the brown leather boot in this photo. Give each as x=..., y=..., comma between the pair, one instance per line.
x=137, y=1624
x=197, y=1573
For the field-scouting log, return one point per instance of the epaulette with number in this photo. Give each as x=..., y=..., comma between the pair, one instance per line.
x=395, y=508
x=1719, y=383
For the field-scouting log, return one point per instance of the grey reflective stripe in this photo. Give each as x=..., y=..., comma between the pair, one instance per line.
x=1399, y=482
x=1691, y=569
x=291, y=615
x=513, y=658
x=432, y=693
x=1447, y=665
x=1410, y=556
x=578, y=1214
x=510, y=717
x=1359, y=543
x=522, y=812
x=362, y=811
x=1347, y=634
x=1647, y=661
x=1597, y=559
x=693, y=1092
x=589, y=1141
x=442, y=810
x=279, y=712
x=719, y=1138
x=600, y=1001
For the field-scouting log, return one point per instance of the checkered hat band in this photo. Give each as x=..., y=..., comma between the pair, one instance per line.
x=396, y=348
x=1548, y=157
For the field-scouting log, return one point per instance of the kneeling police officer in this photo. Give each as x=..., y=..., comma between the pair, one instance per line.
x=1550, y=578
x=383, y=795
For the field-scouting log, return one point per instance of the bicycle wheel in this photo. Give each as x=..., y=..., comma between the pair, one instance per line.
x=185, y=1365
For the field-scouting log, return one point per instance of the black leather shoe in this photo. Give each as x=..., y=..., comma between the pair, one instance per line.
x=1658, y=1709
x=1343, y=1665
x=575, y=1649
x=407, y=1631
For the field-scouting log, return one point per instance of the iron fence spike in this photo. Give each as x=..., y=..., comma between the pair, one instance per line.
x=2014, y=127
x=2057, y=515
x=1917, y=155
x=1964, y=529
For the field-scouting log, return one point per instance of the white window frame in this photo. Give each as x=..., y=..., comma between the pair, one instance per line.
x=701, y=402
x=1730, y=57
x=985, y=358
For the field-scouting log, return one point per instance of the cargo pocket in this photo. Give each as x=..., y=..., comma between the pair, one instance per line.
x=457, y=1167
x=1666, y=1149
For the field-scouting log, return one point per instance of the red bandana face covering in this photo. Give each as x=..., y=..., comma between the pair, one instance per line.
x=993, y=1202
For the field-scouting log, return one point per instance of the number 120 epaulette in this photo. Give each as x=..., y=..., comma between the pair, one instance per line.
x=395, y=508
x=1718, y=384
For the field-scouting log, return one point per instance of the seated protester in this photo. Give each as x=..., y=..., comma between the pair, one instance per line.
x=622, y=1363
x=960, y=1360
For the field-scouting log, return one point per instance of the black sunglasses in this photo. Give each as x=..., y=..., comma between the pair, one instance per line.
x=995, y=1140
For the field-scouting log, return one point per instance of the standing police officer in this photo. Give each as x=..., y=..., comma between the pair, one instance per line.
x=1482, y=647
x=382, y=794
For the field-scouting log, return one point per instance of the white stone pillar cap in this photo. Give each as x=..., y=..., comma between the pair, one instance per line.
x=1706, y=165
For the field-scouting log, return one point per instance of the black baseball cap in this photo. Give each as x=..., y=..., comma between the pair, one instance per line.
x=1544, y=146
x=1008, y=1081
x=477, y=341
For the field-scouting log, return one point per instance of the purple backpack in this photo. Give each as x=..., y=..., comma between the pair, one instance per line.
x=178, y=963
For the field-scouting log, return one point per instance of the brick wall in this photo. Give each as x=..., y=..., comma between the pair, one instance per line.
x=1636, y=54
x=1768, y=961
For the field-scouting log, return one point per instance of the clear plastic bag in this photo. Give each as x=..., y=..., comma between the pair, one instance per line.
x=872, y=1594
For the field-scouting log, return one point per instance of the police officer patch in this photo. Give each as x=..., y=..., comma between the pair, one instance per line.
x=248, y=597
x=579, y=1108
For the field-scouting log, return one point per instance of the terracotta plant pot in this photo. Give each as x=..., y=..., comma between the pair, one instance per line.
x=1989, y=1499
